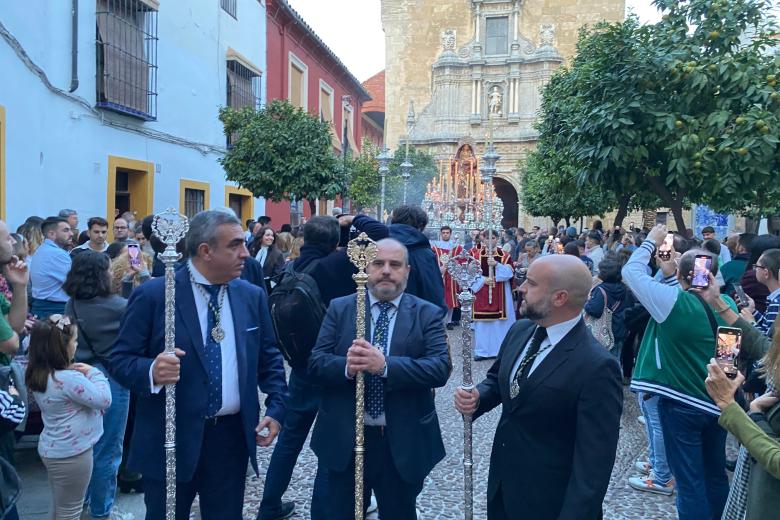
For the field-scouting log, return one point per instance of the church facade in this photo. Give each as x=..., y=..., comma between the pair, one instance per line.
x=460, y=70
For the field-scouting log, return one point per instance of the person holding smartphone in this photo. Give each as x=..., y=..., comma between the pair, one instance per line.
x=679, y=341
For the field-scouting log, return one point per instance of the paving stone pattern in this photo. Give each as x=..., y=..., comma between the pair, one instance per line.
x=442, y=495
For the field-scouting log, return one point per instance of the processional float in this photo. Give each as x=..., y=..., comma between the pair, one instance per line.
x=170, y=227
x=361, y=252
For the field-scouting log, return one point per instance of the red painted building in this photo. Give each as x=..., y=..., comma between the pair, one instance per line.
x=373, y=127
x=303, y=70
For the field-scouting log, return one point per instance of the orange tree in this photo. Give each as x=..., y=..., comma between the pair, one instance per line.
x=281, y=152
x=686, y=109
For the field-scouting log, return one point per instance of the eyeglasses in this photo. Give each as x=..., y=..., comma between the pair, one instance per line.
x=120, y=227
x=759, y=266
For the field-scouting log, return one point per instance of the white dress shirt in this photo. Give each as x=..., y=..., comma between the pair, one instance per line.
x=231, y=398
x=392, y=313
x=555, y=333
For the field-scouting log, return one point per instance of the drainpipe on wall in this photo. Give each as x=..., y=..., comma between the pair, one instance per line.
x=74, y=47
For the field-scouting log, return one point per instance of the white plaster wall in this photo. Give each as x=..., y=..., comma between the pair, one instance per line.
x=57, y=150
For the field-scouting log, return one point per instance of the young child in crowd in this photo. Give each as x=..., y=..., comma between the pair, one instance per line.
x=72, y=397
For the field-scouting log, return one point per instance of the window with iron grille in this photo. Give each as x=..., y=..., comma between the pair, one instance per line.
x=230, y=7
x=243, y=88
x=126, y=69
x=194, y=202
x=497, y=36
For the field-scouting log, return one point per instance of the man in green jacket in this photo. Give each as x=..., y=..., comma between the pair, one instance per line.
x=672, y=363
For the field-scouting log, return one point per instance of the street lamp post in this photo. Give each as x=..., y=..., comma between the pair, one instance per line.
x=384, y=159
x=406, y=166
x=406, y=172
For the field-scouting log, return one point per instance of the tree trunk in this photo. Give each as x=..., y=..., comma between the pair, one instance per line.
x=674, y=202
x=313, y=206
x=568, y=221
x=622, y=210
x=677, y=211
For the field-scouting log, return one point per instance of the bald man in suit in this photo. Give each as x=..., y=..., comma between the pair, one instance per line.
x=561, y=397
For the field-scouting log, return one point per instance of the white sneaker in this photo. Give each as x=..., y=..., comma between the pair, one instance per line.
x=643, y=467
x=651, y=485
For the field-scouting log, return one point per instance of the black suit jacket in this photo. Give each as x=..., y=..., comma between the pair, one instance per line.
x=555, y=442
x=418, y=362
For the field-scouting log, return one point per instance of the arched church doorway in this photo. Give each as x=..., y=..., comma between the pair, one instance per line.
x=508, y=195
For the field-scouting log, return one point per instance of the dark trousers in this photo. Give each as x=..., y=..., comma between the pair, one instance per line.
x=495, y=507
x=396, y=498
x=303, y=401
x=696, y=451
x=219, y=478
x=45, y=308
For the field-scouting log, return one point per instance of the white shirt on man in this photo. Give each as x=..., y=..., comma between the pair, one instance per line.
x=391, y=314
x=231, y=398
x=555, y=333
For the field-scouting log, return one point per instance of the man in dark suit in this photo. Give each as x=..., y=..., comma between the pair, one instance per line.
x=561, y=397
x=226, y=350
x=406, y=358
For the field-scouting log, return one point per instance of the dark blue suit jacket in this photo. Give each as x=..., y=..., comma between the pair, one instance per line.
x=141, y=338
x=418, y=362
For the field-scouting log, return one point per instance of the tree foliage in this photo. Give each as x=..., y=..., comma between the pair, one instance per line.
x=364, y=186
x=550, y=188
x=423, y=172
x=281, y=152
x=686, y=109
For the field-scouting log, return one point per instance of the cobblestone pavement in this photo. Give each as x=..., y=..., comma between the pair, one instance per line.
x=442, y=496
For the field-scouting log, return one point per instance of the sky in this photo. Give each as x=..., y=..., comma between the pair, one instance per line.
x=361, y=46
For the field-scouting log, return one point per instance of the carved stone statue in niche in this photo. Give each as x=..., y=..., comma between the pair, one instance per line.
x=448, y=39
x=495, y=101
x=547, y=35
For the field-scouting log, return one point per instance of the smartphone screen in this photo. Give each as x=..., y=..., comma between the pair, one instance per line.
x=665, y=251
x=559, y=248
x=134, y=252
x=741, y=296
x=729, y=343
x=702, y=265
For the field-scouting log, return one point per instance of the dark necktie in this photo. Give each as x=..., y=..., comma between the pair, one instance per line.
x=533, y=350
x=375, y=384
x=213, y=354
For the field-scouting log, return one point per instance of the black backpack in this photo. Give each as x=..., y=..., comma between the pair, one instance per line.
x=297, y=311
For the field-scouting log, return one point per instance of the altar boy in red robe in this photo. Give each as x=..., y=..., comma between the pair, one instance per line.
x=445, y=249
x=493, y=310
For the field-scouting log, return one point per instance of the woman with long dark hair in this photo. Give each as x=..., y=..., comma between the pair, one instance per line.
x=97, y=311
x=72, y=397
x=263, y=249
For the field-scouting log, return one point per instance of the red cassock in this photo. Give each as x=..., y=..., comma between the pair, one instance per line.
x=486, y=308
x=451, y=288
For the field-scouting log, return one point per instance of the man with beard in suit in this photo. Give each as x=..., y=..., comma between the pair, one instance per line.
x=561, y=398
x=406, y=359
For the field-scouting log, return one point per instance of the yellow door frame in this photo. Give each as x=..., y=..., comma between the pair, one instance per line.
x=247, y=200
x=2, y=163
x=186, y=184
x=141, y=185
